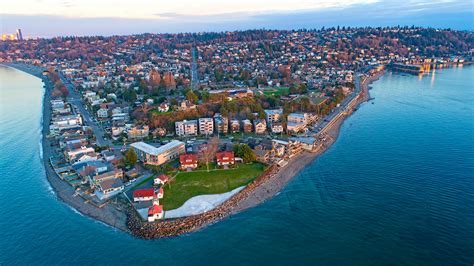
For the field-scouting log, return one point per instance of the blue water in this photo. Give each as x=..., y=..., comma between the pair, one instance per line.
x=396, y=188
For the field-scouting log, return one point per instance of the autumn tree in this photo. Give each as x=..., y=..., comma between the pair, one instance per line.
x=191, y=96
x=154, y=78
x=207, y=151
x=169, y=81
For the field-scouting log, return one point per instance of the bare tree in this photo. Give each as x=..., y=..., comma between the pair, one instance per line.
x=207, y=152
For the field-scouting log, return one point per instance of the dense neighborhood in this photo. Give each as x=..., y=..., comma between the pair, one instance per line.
x=162, y=118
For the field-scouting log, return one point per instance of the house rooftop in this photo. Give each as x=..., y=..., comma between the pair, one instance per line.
x=147, y=148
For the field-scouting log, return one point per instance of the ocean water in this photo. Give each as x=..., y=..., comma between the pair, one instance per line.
x=396, y=188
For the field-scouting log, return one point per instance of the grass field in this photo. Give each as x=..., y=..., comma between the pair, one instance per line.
x=277, y=91
x=189, y=184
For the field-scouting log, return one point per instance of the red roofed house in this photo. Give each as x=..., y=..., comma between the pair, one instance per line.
x=188, y=161
x=161, y=179
x=225, y=158
x=143, y=194
x=155, y=212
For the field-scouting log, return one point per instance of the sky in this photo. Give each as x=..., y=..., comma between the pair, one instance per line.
x=49, y=18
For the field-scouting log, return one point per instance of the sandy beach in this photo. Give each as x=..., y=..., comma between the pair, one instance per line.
x=123, y=217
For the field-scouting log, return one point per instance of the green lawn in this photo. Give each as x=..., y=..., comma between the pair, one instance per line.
x=189, y=184
x=277, y=91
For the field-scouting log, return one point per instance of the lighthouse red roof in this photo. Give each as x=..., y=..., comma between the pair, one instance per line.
x=155, y=209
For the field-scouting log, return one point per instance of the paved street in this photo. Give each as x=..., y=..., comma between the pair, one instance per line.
x=76, y=100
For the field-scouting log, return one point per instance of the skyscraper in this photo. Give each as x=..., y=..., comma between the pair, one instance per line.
x=19, y=35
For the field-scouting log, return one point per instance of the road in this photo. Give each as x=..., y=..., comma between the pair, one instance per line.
x=194, y=75
x=76, y=100
x=342, y=107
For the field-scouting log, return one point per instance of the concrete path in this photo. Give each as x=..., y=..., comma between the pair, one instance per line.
x=201, y=204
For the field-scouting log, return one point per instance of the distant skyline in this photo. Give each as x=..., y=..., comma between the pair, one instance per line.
x=49, y=18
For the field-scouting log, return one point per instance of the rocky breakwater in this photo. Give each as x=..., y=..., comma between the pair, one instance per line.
x=175, y=227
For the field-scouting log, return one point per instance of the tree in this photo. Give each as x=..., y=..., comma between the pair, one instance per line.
x=207, y=152
x=131, y=157
x=245, y=152
x=192, y=97
x=154, y=78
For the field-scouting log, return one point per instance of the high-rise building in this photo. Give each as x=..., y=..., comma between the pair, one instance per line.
x=19, y=35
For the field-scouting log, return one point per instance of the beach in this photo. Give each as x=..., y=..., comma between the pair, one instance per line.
x=122, y=216
x=108, y=214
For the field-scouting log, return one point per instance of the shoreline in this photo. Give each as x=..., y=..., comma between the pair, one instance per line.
x=123, y=217
x=263, y=188
x=107, y=215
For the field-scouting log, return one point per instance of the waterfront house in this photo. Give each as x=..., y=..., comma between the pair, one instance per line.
x=146, y=194
x=111, y=185
x=161, y=179
x=71, y=155
x=295, y=127
x=149, y=154
x=155, y=212
x=225, y=158
x=188, y=161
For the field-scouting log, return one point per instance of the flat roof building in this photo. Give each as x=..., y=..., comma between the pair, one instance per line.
x=149, y=154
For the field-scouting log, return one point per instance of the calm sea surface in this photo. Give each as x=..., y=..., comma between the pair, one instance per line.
x=396, y=188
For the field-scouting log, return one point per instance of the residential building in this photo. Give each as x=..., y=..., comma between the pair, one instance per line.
x=221, y=124
x=188, y=161
x=161, y=179
x=273, y=115
x=146, y=194
x=299, y=118
x=111, y=185
x=225, y=158
x=72, y=154
x=235, y=126
x=276, y=127
x=206, y=126
x=149, y=154
x=102, y=113
x=155, y=212
x=138, y=132
x=293, y=127
x=186, y=105
x=163, y=107
x=186, y=128
x=64, y=122
x=247, y=126
x=260, y=126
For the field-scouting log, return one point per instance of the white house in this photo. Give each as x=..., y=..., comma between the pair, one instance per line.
x=155, y=212
x=161, y=179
